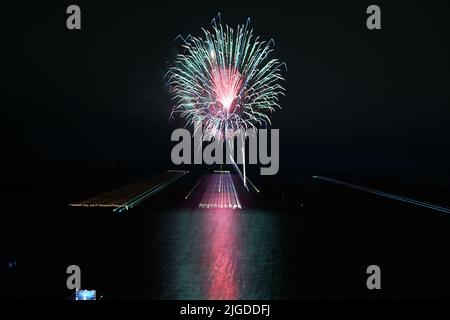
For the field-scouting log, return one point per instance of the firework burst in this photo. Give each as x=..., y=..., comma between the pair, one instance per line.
x=225, y=80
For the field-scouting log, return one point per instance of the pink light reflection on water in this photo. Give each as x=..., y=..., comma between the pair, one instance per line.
x=221, y=234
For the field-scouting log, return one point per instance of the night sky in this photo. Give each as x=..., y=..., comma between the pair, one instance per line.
x=358, y=101
x=87, y=111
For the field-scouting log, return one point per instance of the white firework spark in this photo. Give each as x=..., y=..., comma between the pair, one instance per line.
x=226, y=80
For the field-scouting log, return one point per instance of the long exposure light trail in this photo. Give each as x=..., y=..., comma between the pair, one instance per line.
x=220, y=192
x=385, y=194
x=128, y=196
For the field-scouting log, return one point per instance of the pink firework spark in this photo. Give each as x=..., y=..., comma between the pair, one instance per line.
x=227, y=83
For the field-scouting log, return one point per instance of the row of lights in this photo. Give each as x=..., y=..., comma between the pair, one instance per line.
x=208, y=206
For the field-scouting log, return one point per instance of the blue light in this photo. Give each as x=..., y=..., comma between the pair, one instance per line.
x=12, y=263
x=85, y=294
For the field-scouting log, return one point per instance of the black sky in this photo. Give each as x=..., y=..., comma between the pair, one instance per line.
x=375, y=102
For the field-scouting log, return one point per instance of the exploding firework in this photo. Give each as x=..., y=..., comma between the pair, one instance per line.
x=225, y=80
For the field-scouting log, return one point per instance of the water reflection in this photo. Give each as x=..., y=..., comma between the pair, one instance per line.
x=223, y=253
x=219, y=254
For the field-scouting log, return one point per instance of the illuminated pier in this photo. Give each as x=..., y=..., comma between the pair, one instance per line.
x=126, y=197
x=220, y=192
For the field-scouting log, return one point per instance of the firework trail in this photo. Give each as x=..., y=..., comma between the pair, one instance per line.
x=226, y=81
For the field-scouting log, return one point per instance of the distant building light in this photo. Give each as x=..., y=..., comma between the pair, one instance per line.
x=85, y=294
x=12, y=263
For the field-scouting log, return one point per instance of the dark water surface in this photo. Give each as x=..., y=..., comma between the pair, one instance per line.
x=314, y=241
